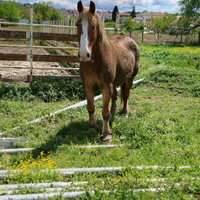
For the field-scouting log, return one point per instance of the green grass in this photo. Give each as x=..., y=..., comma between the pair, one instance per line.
x=163, y=128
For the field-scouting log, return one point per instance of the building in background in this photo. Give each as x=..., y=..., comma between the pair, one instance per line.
x=105, y=14
x=143, y=17
x=157, y=15
x=123, y=16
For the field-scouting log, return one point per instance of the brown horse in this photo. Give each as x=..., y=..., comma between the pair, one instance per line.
x=106, y=62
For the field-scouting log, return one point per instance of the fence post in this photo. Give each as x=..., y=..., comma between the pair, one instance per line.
x=199, y=38
x=103, y=19
x=31, y=50
x=117, y=23
x=181, y=37
x=142, y=37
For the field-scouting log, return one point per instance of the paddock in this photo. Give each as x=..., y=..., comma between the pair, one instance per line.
x=60, y=37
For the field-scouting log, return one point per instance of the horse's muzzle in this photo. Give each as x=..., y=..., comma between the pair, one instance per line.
x=84, y=57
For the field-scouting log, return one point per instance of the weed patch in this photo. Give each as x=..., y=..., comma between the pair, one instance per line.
x=162, y=129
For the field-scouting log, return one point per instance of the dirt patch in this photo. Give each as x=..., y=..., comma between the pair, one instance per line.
x=152, y=38
x=20, y=75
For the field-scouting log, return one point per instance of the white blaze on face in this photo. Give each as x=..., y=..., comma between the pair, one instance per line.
x=84, y=42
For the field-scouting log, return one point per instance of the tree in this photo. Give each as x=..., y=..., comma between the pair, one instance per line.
x=26, y=13
x=159, y=25
x=133, y=13
x=190, y=11
x=45, y=11
x=2, y=11
x=144, y=11
x=141, y=26
x=129, y=24
x=13, y=10
x=114, y=13
x=55, y=14
x=37, y=16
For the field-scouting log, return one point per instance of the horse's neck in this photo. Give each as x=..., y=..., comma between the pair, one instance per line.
x=99, y=49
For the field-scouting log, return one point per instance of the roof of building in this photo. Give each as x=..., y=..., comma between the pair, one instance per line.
x=124, y=14
x=138, y=17
x=104, y=11
x=144, y=14
x=157, y=14
x=74, y=11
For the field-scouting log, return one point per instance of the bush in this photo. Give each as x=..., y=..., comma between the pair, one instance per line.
x=109, y=24
x=47, y=90
x=108, y=20
x=55, y=89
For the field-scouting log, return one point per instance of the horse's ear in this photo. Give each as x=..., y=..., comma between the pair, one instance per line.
x=80, y=6
x=92, y=7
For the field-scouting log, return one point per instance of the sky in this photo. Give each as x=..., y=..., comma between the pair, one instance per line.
x=170, y=6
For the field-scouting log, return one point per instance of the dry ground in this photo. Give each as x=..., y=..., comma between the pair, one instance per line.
x=21, y=74
x=151, y=38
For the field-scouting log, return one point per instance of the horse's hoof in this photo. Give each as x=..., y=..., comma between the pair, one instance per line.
x=91, y=128
x=113, y=113
x=106, y=138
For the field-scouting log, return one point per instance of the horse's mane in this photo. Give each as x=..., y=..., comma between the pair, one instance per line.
x=102, y=36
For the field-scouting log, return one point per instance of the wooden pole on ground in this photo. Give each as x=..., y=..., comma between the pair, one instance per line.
x=117, y=23
x=181, y=37
x=199, y=38
x=142, y=37
x=31, y=50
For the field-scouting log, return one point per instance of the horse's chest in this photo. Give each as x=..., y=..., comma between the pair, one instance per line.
x=89, y=75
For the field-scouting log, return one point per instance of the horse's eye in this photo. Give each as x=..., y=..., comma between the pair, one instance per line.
x=93, y=27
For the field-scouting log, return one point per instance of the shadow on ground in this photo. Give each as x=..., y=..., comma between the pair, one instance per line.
x=72, y=134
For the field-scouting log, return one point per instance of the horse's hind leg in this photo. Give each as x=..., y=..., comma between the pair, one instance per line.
x=114, y=98
x=125, y=91
x=106, y=92
x=90, y=107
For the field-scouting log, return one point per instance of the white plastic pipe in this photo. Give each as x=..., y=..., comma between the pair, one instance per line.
x=69, y=194
x=102, y=146
x=12, y=151
x=70, y=171
x=9, y=192
x=41, y=185
x=41, y=196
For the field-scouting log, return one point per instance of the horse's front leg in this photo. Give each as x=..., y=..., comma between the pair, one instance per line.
x=90, y=107
x=107, y=93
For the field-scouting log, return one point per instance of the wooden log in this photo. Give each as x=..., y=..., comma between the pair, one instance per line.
x=40, y=58
x=38, y=35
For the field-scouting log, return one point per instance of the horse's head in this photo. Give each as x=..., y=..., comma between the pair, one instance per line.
x=86, y=30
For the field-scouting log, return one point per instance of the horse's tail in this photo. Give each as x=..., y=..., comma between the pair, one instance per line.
x=125, y=87
x=137, y=59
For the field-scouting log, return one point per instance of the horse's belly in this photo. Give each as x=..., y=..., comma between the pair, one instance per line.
x=124, y=70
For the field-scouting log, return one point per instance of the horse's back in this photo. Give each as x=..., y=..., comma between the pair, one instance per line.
x=128, y=58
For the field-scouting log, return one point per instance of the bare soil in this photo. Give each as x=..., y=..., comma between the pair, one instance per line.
x=20, y=75
x=152, y=38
